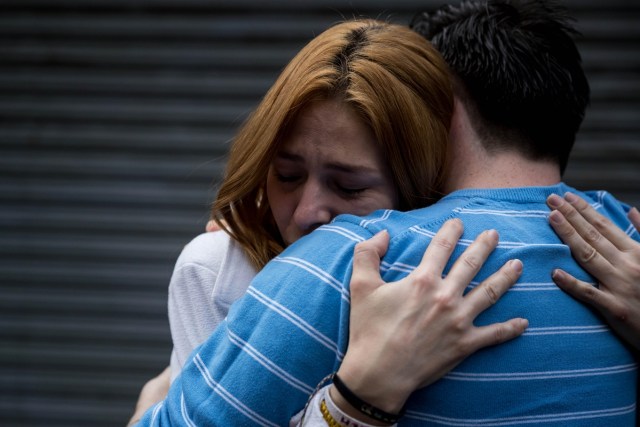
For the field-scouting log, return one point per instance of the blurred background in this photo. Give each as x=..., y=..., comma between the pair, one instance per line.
x=115, y=117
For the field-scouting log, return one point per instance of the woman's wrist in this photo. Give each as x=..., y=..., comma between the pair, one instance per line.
x=367, y=397
x=340, y=411
x=373, y=384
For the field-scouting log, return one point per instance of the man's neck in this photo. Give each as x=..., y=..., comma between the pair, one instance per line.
x=472, y=166
x=504, y=170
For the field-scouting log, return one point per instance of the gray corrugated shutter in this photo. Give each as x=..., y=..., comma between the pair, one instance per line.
x=607, y=151
x=114, y=122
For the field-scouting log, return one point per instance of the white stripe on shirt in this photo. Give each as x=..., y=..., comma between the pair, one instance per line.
x=296, y=320
x=228, y=397
x=268, y=364
x=571, y=330
x=530, y=419
x=385, y=215
x=183, y=410
x=319, y=273
x=530, y=376
x=509, y=213
x=342, y=231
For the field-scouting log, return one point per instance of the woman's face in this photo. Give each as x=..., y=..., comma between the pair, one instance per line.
x=328, y=164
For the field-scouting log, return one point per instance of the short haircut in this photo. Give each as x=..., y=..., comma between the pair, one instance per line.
x=518, y=71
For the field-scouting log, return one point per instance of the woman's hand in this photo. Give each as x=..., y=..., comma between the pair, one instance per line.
x=212, y=226
x=405, y=335
x=607, y=253
x=152, y=392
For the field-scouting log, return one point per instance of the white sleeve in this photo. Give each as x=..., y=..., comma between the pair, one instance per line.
x=210, y=274
x=311, y=416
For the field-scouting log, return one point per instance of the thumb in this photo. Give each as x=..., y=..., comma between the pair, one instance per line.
x=366, y=263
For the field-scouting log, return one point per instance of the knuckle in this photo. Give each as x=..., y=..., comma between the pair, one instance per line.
x=600, y=222
x=569, y=212
x=586, y=254
x=590, y=293
x=592, y=235
x=470, y=261
x=580, y=204
x=512, y=276
x=620, y=313
x=443, y=242
x=567, y=231
x=491, y=293
x=509, y=275
x=500, y=334
x=424, y=278
x=447, y=302
x=460, y=322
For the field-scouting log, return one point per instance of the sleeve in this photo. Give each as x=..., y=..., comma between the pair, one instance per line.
x=192, y=316
x=279, y=340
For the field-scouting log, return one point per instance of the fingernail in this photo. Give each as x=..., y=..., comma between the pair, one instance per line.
x=524, y=323
x=516, y=264
x=557, y=274
x=492, y=233
x=570, y=197
x=556, y=217
x=554, y=200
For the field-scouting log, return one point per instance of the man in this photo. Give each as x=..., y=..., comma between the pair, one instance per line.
x=520, y=98
x=507, y=121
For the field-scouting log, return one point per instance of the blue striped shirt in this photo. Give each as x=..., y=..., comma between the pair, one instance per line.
x=291, y=328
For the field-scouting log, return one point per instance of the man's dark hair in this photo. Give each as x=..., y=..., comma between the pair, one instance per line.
x=518, y=71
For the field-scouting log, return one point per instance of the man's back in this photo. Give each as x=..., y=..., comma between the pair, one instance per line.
x=567, y=368
x=292, y=327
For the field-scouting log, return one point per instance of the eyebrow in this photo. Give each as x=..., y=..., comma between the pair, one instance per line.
x=336, y=166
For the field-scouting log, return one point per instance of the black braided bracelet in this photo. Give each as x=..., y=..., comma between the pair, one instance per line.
x=364, y=407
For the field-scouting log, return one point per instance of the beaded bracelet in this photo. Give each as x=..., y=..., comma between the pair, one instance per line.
x=364, y=407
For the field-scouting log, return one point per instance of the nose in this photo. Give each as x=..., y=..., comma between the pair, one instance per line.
x=313, y=209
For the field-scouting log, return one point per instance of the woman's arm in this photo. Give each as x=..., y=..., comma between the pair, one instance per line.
x=607, y=253
x=200, y=292
x=152, y=392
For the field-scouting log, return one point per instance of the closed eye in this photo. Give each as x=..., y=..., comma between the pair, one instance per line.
x=287, y=178
x=350, y=192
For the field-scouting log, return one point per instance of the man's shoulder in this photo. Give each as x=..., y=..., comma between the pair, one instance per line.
x=603, y=199
x=397, y=223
